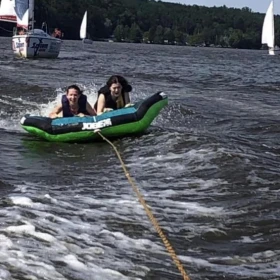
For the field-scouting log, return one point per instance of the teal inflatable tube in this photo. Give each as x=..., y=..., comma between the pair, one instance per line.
x=122, y=122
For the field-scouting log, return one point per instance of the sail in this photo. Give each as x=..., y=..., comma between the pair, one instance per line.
x=22, y=12
x=83, y=29
x=268, y=27
x=7, y=11
x=31, y=12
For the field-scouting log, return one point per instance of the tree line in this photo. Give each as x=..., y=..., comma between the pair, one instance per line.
x=154, y=22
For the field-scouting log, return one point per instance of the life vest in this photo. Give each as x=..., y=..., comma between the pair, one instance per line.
x=82, y=102
x=109, y=102
x=120, y=101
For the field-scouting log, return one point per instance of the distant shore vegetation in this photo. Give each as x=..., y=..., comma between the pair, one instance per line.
x=154, y=22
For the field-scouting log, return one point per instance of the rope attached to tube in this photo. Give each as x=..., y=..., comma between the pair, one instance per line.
x=148, y=211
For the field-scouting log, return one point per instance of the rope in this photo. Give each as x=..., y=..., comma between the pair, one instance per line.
x=148, y=211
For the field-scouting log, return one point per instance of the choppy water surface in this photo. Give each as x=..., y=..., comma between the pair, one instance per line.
x=208, y=167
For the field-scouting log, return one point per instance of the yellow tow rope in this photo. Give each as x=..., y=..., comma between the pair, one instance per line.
x=149, y=213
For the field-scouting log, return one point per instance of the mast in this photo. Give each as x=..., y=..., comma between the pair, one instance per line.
x=31, y=13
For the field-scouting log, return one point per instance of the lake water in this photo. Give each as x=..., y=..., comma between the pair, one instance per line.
x=208, y=167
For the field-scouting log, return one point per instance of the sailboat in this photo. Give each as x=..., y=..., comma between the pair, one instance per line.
x=29, y=42
x=83, y=30
x=268, y=29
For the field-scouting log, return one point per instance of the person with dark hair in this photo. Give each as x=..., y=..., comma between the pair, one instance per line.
x=73, y=103
x=57, y=33
x=21, y=31
x=114, y=95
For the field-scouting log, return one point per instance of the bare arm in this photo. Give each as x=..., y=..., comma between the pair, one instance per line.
x=100, y=104
x=54, y=113
x=90, y=110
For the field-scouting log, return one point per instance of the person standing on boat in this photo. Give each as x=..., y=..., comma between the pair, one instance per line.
x=114, y=95
x=73, y=103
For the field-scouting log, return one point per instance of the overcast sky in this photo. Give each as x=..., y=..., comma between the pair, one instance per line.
x=256, y=5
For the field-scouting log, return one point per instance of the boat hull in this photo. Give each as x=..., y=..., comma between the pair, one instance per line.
x=271, y=51
x=123, y=122
x=36, y=46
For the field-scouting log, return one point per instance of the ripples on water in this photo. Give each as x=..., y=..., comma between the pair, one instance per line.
x=208, y=167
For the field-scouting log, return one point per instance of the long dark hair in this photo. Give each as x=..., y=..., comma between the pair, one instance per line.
x=120, y=80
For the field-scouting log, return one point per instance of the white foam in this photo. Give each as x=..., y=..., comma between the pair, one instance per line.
x=23, y=201
x=200, y=263
x=34, y=269
x=28, y=228
x=94, y=251
x=52, y=200
x=216, y=231
x=125, y=242
x=192, y=208
x=44, y=236
x=5, y=274
x=5, y=242
x=72, y=261
x=246, y=239
x=265, y=254
x=112, y=272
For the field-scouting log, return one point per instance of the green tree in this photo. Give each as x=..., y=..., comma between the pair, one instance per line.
x=235, y=38
x=135, y=35
x=159, y=21
x=119, y=33
x=159, y=35
x=169, y=35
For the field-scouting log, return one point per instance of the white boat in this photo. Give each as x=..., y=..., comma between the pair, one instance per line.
x=268, y=32
x=29, y=42
x=83, y=30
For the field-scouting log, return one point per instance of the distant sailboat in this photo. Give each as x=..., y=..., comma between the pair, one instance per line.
x=268, y=30
x=83, y=30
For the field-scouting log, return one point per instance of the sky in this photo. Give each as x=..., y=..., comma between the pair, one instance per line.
x=255, y=5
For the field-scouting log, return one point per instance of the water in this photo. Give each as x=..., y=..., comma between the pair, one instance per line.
x=208, y=167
